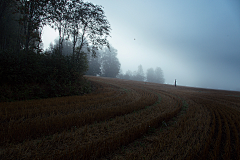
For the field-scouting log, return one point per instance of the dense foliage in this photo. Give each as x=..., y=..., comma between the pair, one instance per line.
x=103, y=62
x=26, y=71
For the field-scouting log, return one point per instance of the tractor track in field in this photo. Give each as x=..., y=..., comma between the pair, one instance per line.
x=223, y=137
x=125, y=120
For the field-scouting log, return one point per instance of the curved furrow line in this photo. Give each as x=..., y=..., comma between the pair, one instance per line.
x=224, y=131
x=230, y=132
x=152, y=144
x=231, y=149
x=221, y=140
x=206, y=146
x=216, y=141
x=174, y=143
x=17, y=131
x=46, y=107
x=232, y=102
x=235, y=125
x=195, y=128
x=130, y=90
x=226, y=145
x=125, y=120
x=137, y=131
x=104, y=142
x=213, y=127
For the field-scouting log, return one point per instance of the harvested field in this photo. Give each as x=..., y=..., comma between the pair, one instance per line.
x=124, y=119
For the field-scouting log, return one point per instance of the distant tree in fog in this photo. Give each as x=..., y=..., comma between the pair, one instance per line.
x=110, y=65
x=155, y=76
x=150, y=75
x=66, y=47
x=159, y=75
x=138, y=75
x=102, y=62
x=134, y=76
x=120, y=74
x=128, y=75
x=94, y=65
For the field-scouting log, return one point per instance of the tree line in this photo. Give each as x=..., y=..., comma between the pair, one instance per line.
x=104, y=62
x=29, y=72
x=155, y=76
x=26, y=70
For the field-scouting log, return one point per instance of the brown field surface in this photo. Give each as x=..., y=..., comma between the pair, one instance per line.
x=124, y=119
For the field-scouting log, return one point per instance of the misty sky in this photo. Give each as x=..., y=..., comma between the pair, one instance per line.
x=196, y=42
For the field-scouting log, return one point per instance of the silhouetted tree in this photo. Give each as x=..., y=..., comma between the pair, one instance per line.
x=11, y=35
x=60, y=68
x=89, y=26
x=33, y=16
x=110, y=64
x=59, y=18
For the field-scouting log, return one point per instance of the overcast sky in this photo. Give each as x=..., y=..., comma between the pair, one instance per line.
x=196, y=42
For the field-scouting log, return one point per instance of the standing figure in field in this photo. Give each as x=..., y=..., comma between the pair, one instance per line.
x=175, y=82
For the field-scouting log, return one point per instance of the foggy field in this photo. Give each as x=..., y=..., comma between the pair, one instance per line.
x=123, y=119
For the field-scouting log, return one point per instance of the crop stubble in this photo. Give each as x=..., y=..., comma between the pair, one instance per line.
x=124, y=120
